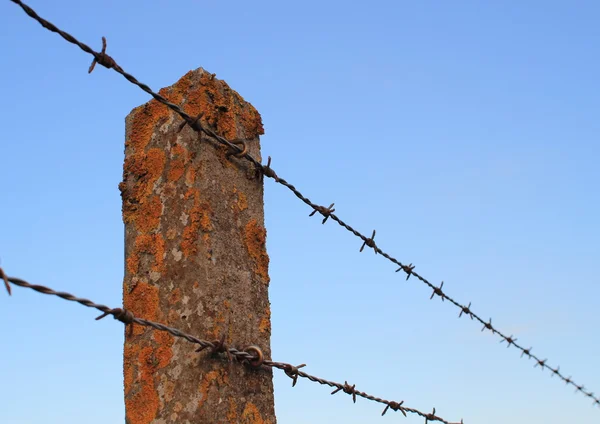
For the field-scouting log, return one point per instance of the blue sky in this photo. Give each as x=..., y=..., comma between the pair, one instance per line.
x=466, y=133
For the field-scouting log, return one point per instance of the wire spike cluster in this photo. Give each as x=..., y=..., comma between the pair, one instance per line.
x=266, y=170
x=251, y=355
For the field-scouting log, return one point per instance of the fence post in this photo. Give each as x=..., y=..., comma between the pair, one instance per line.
x=195, y=259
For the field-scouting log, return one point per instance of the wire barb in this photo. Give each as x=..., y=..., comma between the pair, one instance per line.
x=438, y=291
x=351, y=390
x=193, y=123
x=466, y=310
x=526, y=352
x=102, y=58
x=488, y=325
x=268, y=171
x=369, y=242
x=396, y=406
x=509, y=341
x=326, y=212
x=120, y=314
x=292, y=372
x=430, y=417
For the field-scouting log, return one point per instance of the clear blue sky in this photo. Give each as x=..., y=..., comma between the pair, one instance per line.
x=465, y=132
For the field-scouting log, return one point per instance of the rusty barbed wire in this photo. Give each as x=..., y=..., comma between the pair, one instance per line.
x=251, y=355
x=265, y=170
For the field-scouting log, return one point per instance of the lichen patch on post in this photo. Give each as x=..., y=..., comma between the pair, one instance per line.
x=211, y=379
x=255, y=238
x=199, y=222
x=143, y=302
x=251, y=415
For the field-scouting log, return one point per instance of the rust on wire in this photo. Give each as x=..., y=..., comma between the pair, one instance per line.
x=430, y=417
x=326, y=212
x=292, y=372
x=123, y=315
x=267, y=171
x=351, y=390
x=488, y=326
x=259, y=356
x=238, y=152
x=509, y=341
x=193, y=123
x=396, y=406
x=437, y=291
x=466, y=310
x=369, y=242
x=103, y=59
x=409, y=271
x=251, y=355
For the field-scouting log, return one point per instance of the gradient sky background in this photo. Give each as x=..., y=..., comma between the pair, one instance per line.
x=465, y=132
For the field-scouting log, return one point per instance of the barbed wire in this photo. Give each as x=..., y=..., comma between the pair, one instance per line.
x=251, y=355
x=327, y=212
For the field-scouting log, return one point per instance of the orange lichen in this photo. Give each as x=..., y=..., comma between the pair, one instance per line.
x=133, y=263
x=176, y=169
x=190, y=176
x=164, y=351
x=130, y=354
x=265, y=325
x=163, y=356
x=142, y=406
x=232, y=415
x=255, y=241
x=251, y=415
x=199, y=220
x=179, y=150
x=142, y=124
x=163, y=338
x=228, y=109
x=149, y=213
x=212, y=377
x=190, y=193
x=155, y=165
x=151, y=244
x=142, y=171
x=177, y=92
x=242, y=200
x=143, y=303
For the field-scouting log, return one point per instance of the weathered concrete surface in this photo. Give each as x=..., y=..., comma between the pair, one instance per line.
x=195, y=260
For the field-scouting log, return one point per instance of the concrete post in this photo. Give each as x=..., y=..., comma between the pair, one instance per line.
x=195, y=260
